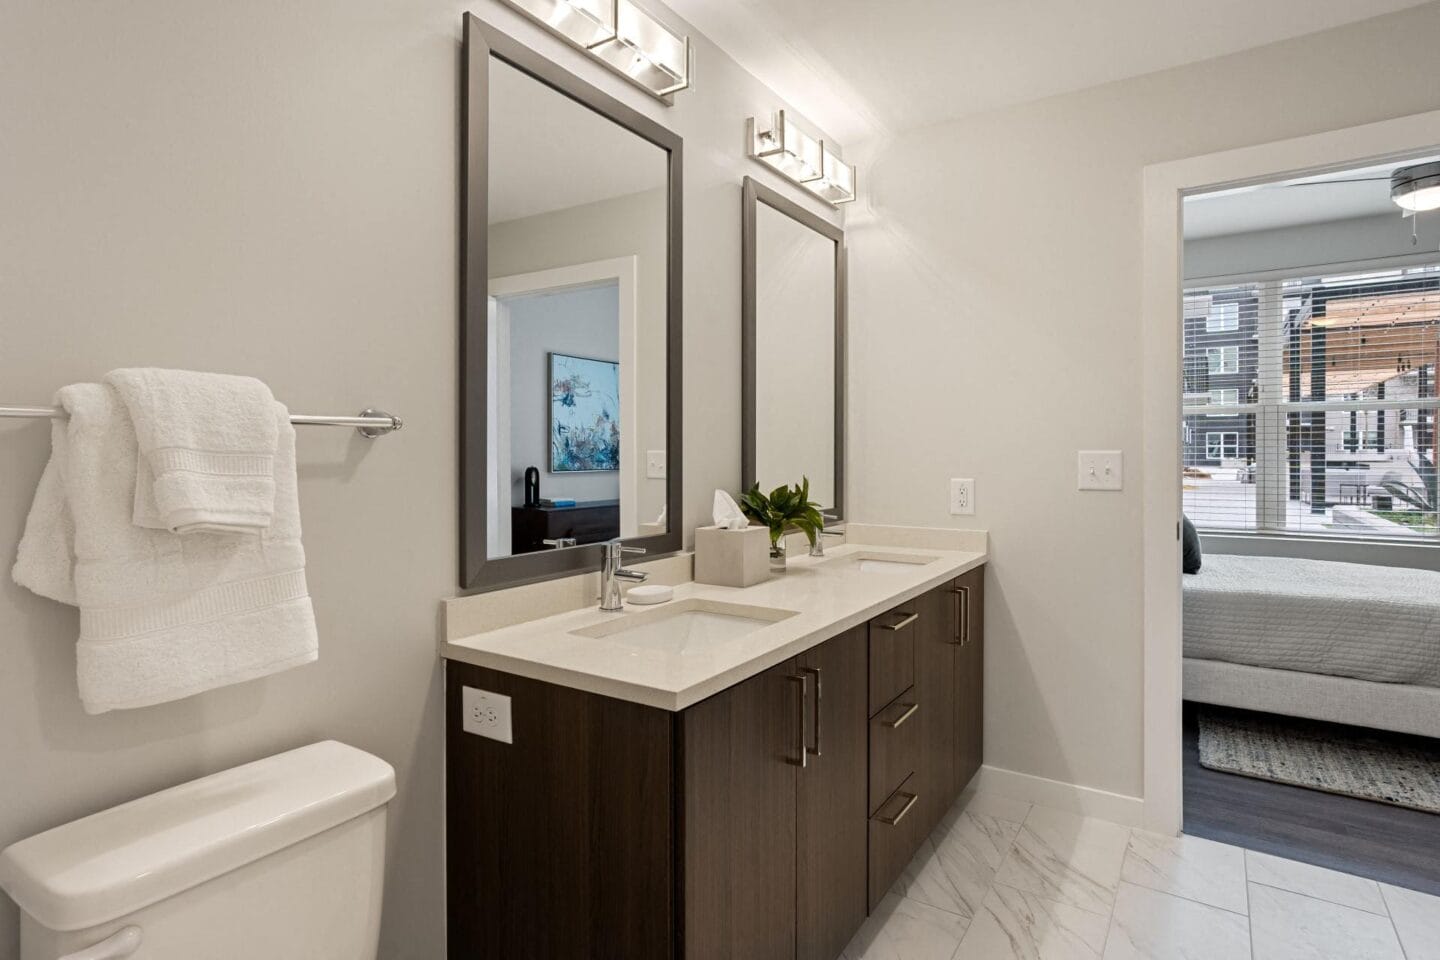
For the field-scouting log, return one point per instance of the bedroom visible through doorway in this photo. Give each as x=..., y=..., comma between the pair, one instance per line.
x=1310, y=337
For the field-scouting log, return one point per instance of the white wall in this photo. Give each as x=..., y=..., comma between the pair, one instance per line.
x=995, y=287
x=271, y=188
x=1312, y=244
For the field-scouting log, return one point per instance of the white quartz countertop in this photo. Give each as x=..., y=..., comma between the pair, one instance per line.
x=826, y=597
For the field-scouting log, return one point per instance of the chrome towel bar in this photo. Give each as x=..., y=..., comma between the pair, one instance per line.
x=370, y=423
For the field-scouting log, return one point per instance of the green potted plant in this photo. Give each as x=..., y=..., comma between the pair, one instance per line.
x=786, y=508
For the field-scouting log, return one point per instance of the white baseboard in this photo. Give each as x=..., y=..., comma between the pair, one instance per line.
x=1087, y=801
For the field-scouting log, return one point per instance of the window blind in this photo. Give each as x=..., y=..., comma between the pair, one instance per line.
x=1310, y=405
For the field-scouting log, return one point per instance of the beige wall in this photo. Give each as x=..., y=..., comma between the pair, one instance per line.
x=271, y=188
x=995, y=287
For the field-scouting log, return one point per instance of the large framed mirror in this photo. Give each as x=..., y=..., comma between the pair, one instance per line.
x=793, y=303
x=570, y=407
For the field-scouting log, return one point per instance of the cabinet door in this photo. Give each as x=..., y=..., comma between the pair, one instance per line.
x=970, y=677
x=937, y=646
x=741, y=751
x=832, y=798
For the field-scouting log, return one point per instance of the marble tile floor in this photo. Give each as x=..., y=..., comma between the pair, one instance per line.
x=1003, y=880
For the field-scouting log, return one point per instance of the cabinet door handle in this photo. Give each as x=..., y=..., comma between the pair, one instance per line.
x=964, y=616
x=815, y=710
x=909, y=712
x=905, y=621
x=892, y=821
x=799, y=679
x=959, y=638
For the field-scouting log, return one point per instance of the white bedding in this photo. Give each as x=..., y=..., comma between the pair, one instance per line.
x=1316, y=616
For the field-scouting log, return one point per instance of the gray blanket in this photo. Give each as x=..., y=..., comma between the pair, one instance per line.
x=1316, y=616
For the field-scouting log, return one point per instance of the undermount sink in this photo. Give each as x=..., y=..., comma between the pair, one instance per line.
x=685, y=626
x=867, y=562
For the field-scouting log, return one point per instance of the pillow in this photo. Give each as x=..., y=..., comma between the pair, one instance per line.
x=1189, y=546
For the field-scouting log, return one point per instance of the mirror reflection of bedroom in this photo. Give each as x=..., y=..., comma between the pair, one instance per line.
x=1312, y=543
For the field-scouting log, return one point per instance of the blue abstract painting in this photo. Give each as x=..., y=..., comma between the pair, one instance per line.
x=584, y=414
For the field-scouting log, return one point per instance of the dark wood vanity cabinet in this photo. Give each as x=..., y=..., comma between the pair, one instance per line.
x=772, y=825
x=758, y=824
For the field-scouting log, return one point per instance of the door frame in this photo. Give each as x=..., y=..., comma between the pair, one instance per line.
x=1165, y=185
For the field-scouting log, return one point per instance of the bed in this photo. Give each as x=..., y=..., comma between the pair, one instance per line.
x=1345, y=642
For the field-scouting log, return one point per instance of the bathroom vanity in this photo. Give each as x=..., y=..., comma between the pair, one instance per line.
x=738, y=773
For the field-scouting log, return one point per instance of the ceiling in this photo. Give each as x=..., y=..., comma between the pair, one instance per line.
x=1341, y=195
x=541, y=139
x=861, y=68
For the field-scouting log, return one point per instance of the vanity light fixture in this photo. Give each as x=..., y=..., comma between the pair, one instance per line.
x=622, y=36
x=801, y=158
x=1416, y=188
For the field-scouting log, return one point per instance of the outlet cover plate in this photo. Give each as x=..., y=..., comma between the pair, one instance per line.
x=486, y=714
x=1101, y=470
x=655, y=464
x=962, y=497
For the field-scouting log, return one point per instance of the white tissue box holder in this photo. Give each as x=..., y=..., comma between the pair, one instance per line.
x=732, y=558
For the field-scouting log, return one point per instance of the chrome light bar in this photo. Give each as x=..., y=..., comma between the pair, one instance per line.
x=802, y=159
x=622, y=36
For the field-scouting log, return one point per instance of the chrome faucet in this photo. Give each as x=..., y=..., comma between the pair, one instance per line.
x=817, y=549
x=611, y=571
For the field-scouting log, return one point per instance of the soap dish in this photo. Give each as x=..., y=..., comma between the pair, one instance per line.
x=650, y=593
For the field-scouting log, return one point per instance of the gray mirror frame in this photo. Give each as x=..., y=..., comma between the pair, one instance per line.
x=753, y=194
x=477, y=570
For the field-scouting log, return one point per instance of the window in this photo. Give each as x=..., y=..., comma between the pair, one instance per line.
x=1222, y=446
x=1333, y=419
x=1223, y=359
x=1229, y=398
x=1223, y=317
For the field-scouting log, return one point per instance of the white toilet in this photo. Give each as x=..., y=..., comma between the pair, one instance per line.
x=280, y=859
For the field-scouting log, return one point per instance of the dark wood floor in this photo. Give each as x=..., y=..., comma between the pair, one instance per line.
x=1377, y=840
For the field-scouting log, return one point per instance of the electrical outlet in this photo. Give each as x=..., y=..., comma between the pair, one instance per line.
x=1102, y=470
x=962, y=498
x=486, y=714
x=655, y=464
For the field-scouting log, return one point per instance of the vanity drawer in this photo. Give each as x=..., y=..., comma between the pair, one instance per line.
x=894, y=746
x=894, y=837
x=892, y=654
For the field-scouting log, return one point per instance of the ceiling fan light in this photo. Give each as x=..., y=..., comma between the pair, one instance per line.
x=1416, y=188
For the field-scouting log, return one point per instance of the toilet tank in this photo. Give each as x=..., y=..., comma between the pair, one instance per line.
x=280, y=858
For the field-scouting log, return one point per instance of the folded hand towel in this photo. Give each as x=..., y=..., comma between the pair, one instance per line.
x=207, y=449
x=161, y=616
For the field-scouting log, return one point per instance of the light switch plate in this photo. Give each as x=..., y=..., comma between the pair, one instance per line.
x=655, y=464
x=1102, y=470
x=962, y=498
x=486, y=714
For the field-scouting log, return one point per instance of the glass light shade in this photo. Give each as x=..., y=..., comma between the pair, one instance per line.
x=620, y=35
x=790, y=150
x=802, y=158
x=1416, y=188
x=586, y=22
x=837, y=181
x=1426, y=198
x=644, y=50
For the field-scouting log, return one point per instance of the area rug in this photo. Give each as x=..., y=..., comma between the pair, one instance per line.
x=1404, y=771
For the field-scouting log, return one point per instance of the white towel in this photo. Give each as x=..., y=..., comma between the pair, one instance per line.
x=207, y=449
x=161, y=616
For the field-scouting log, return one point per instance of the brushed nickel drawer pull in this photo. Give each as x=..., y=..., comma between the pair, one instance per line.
x=908, y=619
x=909, y=712
x=799, y=678
x=815, y=672
x=892, y=821
x=964, y=616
